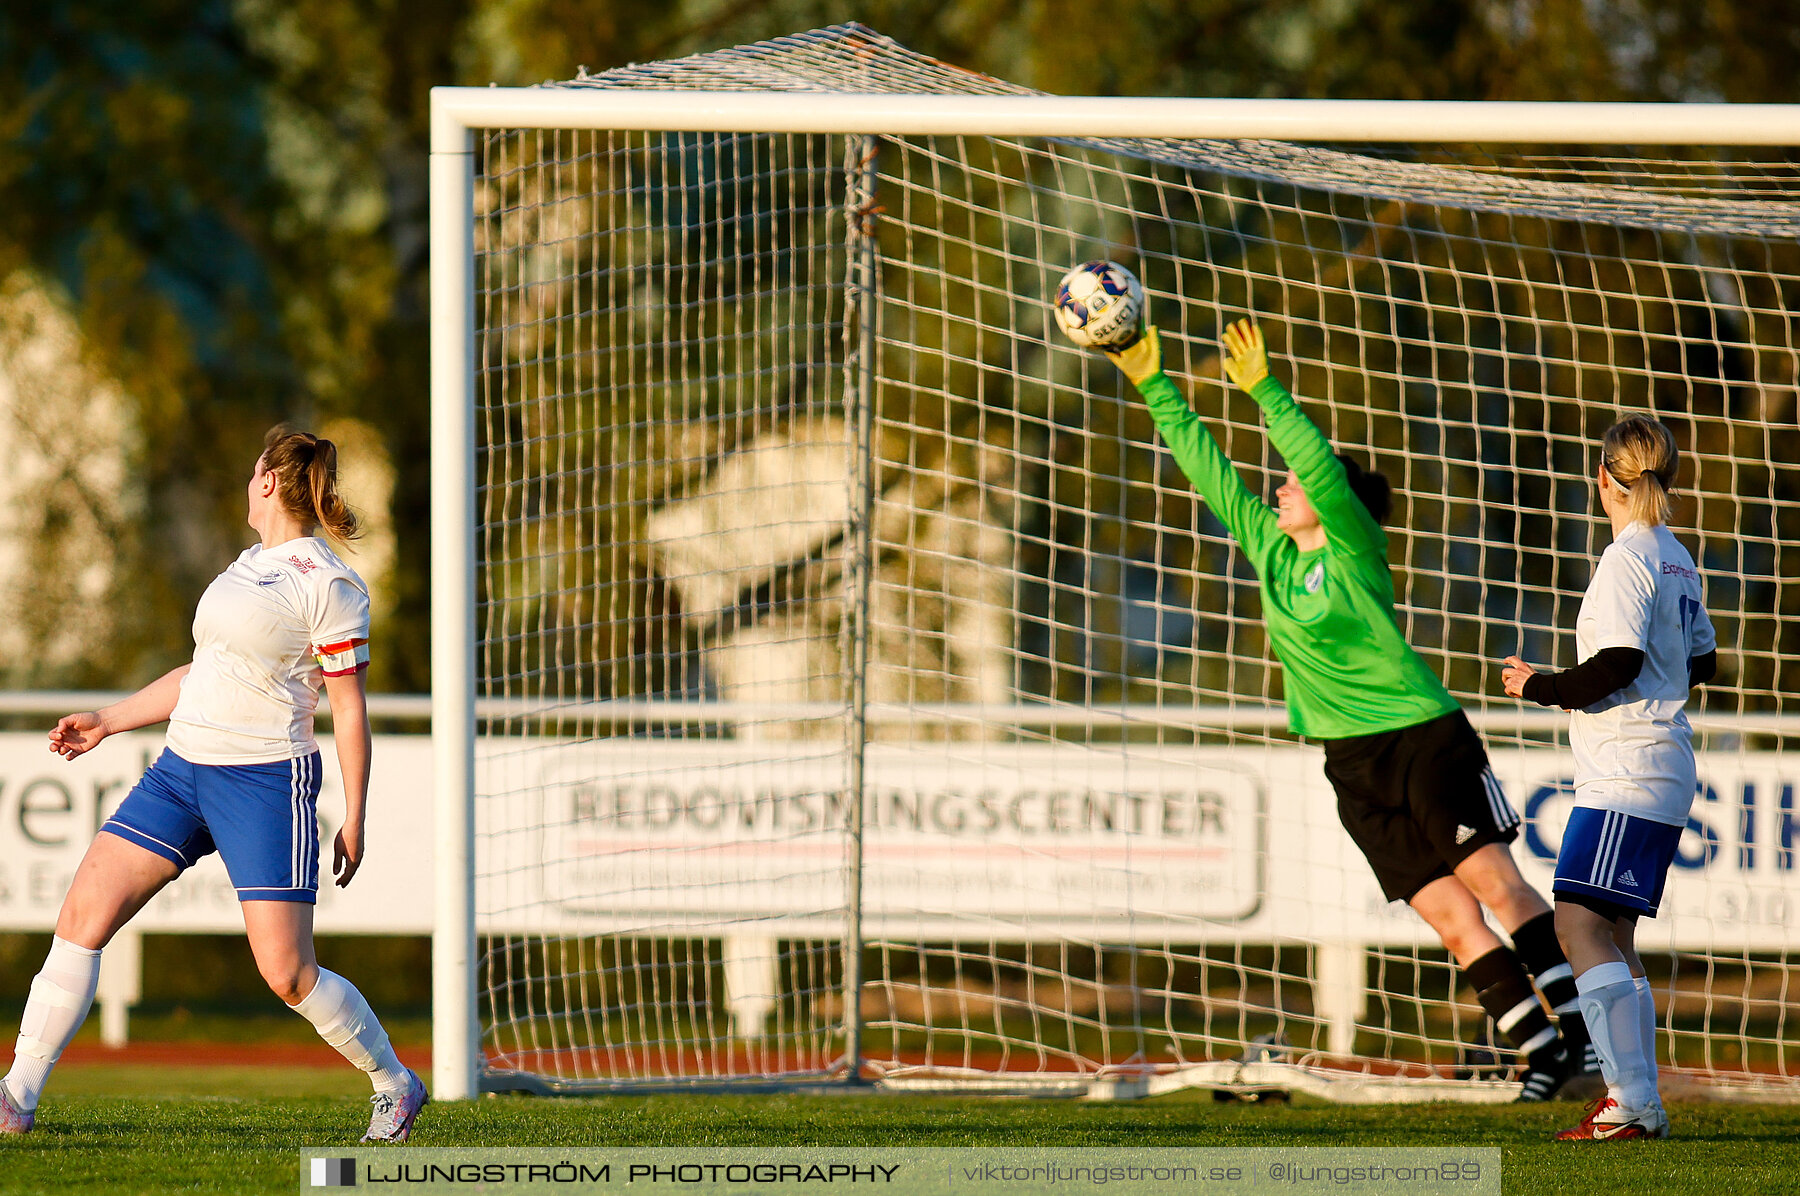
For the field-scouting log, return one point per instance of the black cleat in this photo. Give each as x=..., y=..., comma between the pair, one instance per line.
x=1545, y=1072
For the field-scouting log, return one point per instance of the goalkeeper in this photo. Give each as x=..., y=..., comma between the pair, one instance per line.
x=1412, y=779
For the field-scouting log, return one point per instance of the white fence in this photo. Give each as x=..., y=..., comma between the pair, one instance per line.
x=51, y=808
x=1241, y=844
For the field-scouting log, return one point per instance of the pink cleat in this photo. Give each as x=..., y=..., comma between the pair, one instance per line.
x=14, y=1120
x=393, y=1118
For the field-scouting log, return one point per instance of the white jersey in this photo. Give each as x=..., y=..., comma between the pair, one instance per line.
x=267, y=633
x=1634, y=749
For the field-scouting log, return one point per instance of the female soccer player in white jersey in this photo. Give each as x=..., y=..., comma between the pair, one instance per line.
x=1644, y=640
x=239, y=775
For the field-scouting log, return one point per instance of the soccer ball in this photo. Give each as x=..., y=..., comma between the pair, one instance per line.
x=1100, y=305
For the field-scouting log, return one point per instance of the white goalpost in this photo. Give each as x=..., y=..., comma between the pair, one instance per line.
x=835, y=683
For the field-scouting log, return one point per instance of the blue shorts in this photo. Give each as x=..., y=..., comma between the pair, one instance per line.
x=263, y=819
x=1615, y=857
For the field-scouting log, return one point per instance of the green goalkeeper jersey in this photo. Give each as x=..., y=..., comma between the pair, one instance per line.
x=1330, y=612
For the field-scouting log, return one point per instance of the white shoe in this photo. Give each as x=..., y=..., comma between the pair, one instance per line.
x=393, y=1118
x=14, y=1120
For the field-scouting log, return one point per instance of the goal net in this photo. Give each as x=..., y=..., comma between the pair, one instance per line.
x=861, y=693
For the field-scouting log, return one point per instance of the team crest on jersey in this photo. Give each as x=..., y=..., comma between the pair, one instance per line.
x=269, y=579
x=1315, y=577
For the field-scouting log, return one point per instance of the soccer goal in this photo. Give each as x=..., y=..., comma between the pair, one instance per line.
x=835, y=683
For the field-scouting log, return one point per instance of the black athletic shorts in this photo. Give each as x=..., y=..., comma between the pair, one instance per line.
x=1418, y=801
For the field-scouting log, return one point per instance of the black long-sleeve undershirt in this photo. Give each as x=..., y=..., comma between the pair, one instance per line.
x=1605, y=672
x=1702, y=669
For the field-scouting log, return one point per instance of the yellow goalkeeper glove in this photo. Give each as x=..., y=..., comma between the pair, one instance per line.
x=1141, y=358
x=1246, y=355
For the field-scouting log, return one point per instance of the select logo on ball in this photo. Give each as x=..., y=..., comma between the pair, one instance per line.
x=1100, y=305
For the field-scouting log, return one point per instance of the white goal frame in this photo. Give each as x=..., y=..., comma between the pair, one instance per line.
x=457, y=113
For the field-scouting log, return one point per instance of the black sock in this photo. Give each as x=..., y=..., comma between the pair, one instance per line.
x=1505, y=991
x=1541, y=953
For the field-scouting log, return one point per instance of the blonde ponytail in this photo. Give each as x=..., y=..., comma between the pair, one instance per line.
x=1641, y=458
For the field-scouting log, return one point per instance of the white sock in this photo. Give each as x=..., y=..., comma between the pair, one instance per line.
x=60, y=996
x=343, y=1018
x=1647, y=1027
x=1609, y=1006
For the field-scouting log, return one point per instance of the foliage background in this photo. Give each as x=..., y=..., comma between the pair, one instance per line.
x=227, y=198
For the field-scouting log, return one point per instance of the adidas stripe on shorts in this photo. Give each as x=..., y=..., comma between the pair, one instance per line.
x=1418, y=800
x=262, y=819
x=1616, y=857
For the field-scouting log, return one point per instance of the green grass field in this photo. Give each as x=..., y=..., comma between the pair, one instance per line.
x=136, y=1129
